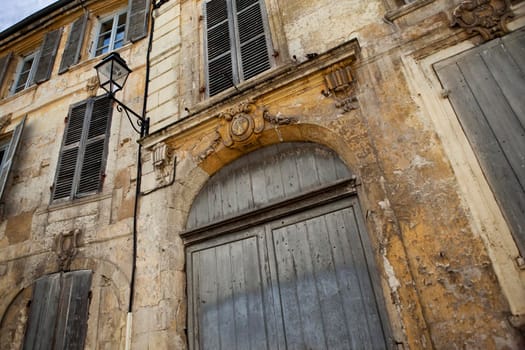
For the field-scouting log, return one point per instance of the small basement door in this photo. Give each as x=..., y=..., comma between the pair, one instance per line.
x=297, y=279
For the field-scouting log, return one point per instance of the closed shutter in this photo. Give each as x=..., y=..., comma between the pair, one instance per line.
x=237, y=42
x=11, y=151
x=74, y=304
x=219, y=47
x=254, y=54
x=4, y=64
x=59, y=312
x=487, y=86
x=43, y=315
x=47, y=55
x=71, y=53
x=82, y=157
x=92, y=163
x=137, y=19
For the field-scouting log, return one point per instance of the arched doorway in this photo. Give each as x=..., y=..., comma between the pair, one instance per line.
x=278, y=256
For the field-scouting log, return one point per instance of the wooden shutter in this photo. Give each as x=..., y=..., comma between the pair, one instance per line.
x=71, y=326
x=71, y=53
x=59, y=312
x=137, y=19
x=70, y=150
x=93, y=155
x=47, y=55
x=253, y=38
x=9, y=156
x=218, y=47
x=4, y=64
x=43, y=315
x=487, y=86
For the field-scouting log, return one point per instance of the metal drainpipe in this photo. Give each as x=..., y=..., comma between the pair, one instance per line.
x=129, y=321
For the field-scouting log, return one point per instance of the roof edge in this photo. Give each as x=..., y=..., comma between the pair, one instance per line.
x=46, y=11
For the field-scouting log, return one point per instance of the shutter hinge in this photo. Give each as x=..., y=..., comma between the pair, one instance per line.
x=445, y=93
x=520, y=261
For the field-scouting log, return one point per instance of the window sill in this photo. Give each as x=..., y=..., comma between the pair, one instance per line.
x=18, y=94
x=405, y=9
x=68, y=203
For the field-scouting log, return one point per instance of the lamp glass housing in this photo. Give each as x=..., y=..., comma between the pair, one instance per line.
x=112, y=73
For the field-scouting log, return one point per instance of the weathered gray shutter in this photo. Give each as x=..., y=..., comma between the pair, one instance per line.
x=487, y=89
x=47, y=55
x=218, y=47
x=70, y=150
x=71, y=327
x=253, y=44
x=4, y=64
x=137, y=19
x=11, y=151
x=59, y=312
x=71, y=53
x=93, y=155
x=43, y=315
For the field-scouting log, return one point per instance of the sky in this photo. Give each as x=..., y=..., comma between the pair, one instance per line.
x=13, y=11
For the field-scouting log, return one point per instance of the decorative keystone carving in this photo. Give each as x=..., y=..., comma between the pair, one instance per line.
x=66, y=247
x=92, y=86
x=487, y=17
x=242, y=125
x=340, y=85
x=163, y=163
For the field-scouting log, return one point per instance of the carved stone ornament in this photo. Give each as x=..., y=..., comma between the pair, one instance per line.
x=340, y=86
x=4, y=121
x=242, y=125
x=66, y=247
x=163, y=163
x=487, y=17
x=92, y=86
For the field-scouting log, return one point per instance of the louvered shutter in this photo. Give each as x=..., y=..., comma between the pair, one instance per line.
x=70, y=150
x=219, y=47
x=74, y=304
x=71, y=53
x=47, y=55
x=11, y=151
x=43, y=315
x=253, y=44
x=93, y=157
x=137, y=19
x=4, y=63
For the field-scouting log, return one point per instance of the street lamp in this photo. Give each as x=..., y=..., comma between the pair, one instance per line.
x=112, y=73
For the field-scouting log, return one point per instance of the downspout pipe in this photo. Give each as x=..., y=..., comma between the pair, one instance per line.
x=155, y=5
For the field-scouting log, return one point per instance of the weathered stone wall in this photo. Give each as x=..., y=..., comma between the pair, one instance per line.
x=445, y=287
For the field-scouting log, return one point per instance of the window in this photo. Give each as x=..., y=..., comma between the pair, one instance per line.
x=8, y=149
x=111, y=34
x=59, y=311
x=25, y=72
x=237, y=42
x=84, y=148
x=35, y=67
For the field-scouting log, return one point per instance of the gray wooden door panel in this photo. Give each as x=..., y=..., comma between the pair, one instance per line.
x=487, y=85
x=301, y=282
x=263, y=177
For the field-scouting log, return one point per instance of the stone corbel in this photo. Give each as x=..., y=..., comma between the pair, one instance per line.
x=66, y=247
x=242, y=125
x=163, y=163
x=340, y=85
x=4, y=121
x=92, y=86
x=487, y=17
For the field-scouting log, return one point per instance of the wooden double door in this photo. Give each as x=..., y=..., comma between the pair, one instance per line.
x=305, y=281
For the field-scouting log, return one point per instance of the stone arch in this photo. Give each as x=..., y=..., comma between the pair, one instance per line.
x=110, y=293
x=237, y=241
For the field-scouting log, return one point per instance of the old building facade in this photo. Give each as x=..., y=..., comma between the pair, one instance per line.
x=68, y=194
x=317, y=174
